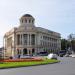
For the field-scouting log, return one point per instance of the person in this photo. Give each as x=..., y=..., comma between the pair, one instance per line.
x=19, y=56
x=11, y=57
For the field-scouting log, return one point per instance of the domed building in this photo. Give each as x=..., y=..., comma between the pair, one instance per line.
x=27, y=39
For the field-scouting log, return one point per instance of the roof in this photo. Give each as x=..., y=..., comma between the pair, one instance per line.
x=27, y=15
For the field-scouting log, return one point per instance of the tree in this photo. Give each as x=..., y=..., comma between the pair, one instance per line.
x=63, y=44
x=73, y=45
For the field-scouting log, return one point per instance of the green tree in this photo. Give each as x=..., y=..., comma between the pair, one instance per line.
x=73, y=45
x=63, y=44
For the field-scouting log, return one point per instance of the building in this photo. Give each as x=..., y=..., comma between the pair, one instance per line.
x=71, y=37
x=1, y=52
x=28, y=39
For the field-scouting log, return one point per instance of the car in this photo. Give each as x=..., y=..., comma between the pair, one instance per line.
x=25, y=56
x=66, y=55
x=73, y=55
x=62, y=53
x=52, y=56
x=42, y=54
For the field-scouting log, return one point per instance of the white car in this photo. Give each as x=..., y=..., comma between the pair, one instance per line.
x=52, y=56
x=67, y=55
x=25, y=56
x=72, y=55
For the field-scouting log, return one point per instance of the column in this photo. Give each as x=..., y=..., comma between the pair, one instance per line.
x=28, y=39
x=35, y=40
x=27, y=51
x=22, y=39
x=22, y=52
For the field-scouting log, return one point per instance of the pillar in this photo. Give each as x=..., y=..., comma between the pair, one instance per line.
x=28, y=43
x=22, y=39
x=30, y=39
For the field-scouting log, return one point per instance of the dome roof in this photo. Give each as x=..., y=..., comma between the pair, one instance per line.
x=27, y=15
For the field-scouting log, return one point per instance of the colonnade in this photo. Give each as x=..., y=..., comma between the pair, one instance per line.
x=26, y=39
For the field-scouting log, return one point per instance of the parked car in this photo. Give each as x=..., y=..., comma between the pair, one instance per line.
x=62, y=53
x=42, y=54
x=25, y=56
x=72, y=55
x=52, y=56
x=66, y=55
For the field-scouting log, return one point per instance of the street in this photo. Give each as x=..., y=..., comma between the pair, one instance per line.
x=65, y=67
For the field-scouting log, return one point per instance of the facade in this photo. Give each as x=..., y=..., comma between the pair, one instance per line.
x=28, y=39
x=1, y=52
x=71, y=37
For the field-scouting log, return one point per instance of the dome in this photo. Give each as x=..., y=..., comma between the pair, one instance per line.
x=27, y=19
x=27, y=15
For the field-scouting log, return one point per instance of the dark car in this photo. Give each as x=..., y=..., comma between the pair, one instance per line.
x=62, y=53
x=42, y=54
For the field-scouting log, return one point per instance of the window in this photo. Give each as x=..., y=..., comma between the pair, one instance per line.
x=32, y=39
x=24, y=51
x=25, y=39
x=18, y=39
x=32, y=21
x=29, y=21
x=25, y=20
x=33, y=51
x=22, y=20
x=21, y=39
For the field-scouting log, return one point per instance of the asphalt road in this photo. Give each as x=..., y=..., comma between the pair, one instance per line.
x=65, y=67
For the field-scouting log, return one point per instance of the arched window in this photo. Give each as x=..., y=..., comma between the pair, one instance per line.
x=32, y=21
x=33, y=51
x=24, y=51
x=33, y=39
x=25, y=20
x=29, y=21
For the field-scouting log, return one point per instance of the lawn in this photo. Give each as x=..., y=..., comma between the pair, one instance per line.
x=24, y=64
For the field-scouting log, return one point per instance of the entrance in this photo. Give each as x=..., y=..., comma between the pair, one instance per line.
x=33, y=51
x=24, y=51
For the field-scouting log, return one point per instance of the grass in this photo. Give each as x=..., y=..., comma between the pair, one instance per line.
x=24, y=64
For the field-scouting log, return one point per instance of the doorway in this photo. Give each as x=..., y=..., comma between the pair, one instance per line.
x=24, y=51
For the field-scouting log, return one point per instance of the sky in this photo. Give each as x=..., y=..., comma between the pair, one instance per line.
x=55, y=15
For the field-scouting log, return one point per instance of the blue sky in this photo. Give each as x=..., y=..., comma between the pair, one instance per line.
x=55, y=15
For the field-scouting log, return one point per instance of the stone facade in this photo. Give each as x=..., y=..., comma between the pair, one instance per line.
x=28, y=39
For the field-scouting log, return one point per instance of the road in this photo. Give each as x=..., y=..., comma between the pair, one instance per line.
x=65, y=67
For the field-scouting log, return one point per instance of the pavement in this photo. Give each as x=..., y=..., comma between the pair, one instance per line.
x=65, y=67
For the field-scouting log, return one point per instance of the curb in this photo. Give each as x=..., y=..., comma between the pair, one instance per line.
x=28, y=65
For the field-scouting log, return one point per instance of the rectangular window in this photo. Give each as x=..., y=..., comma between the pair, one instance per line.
x=25, y=39
x=18, y=39
x=32, y=39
